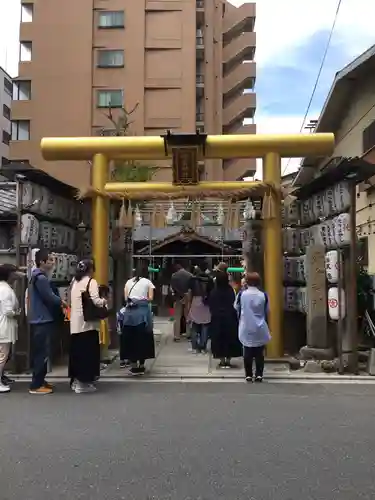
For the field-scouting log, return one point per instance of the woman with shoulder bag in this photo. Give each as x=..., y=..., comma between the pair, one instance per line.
x=134, y=323
x=87, y=309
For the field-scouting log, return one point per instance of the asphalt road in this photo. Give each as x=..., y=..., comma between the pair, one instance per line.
x=178, y=441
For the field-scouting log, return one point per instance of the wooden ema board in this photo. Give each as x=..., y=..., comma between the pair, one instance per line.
x=316, y=288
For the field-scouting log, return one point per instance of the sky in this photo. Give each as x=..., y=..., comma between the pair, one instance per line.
x=291, y=39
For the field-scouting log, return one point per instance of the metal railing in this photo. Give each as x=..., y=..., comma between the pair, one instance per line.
x=200, y=41
x=200, y=79
x=199, y=117
x=200, y=4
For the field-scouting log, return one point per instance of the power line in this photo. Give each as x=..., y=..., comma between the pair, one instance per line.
x=319, y=72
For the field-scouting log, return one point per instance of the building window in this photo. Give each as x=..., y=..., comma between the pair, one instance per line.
x=27, y=11
x=4, y=161
x=110, y=58
x=6, y=111
x=368, y=137
x=8, y=87
x=22, y=90
x=110, y=98
x=26, y=49
x=21, y=130
x=111, y=19
x=6, y=137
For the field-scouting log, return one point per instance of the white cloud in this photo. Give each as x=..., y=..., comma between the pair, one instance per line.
x=283, y=24
x=279, y=125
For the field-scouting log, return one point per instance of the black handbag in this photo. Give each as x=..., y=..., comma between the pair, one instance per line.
x=92, y=312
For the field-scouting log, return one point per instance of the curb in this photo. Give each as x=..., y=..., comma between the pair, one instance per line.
x=235, y=378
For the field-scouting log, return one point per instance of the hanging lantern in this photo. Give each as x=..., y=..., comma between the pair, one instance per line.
x=193, y=220
x=220, y=215
x=198, y=214
x=235, y=216
x=137, y=217
x=123, y=216
x=161, y=217
x=249, y=211
x=171, y=216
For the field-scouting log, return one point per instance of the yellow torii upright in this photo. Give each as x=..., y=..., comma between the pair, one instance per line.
x=186, y=150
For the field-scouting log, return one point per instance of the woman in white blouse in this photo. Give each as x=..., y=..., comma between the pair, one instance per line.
x=9, y=311
x=135, y=323
x=84, y=355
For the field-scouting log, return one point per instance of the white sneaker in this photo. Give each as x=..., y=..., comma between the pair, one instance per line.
x=4, y=388
x=84, y=388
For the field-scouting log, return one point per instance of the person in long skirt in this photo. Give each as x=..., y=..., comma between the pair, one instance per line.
x=84, y=352
x=224, y=322
x=135, y=323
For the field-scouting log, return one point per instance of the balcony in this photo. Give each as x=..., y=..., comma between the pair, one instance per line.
x=21, y=110
x=238, y=168
x=24, y=70
x=239, y=108
x=200, y=85
x=20, y=150
x=199, y=118
x=26, y=32
x=241, y=78
x=200, y=11
x=238, y=20
x=199, y=122
x=200, y=46
x=199, y=80
x=238, y=50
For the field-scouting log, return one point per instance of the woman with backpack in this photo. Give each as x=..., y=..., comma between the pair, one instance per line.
x=252, y=308
x=134, y=323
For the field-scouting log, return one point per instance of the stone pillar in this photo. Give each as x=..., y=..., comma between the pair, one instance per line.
x=318, y=345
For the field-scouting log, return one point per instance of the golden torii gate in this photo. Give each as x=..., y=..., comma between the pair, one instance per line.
x=187, y=150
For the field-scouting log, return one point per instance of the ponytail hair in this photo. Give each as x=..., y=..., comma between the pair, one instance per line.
x=141, y=271
x=84, y=268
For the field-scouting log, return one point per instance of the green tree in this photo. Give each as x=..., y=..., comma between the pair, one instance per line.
x=126, y=170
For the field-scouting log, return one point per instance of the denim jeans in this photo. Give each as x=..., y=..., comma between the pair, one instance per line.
x=40, y=339
x=199, y=337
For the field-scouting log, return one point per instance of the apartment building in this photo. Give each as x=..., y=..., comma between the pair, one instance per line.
x=184, y=64
x=6, y=93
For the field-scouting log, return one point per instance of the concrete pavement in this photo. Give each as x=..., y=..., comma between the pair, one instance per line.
x=141, y=441
x=174, y=362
